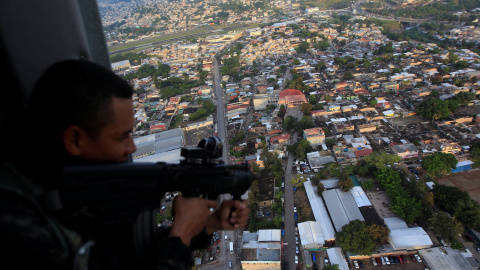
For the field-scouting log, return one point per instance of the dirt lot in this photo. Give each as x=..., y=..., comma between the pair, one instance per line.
x=468, y=181
x=380, y=201
x=192, y=137
x=404, y=121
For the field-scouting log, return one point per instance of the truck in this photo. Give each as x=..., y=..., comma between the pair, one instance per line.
x=231, y=247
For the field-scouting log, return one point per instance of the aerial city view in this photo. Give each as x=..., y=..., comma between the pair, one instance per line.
x=360, y=120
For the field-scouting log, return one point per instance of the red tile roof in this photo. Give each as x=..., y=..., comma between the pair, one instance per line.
x=290, y=92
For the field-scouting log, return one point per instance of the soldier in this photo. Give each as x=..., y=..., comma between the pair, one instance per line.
x=85, y=115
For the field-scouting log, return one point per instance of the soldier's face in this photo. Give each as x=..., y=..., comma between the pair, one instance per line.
x=114, y=142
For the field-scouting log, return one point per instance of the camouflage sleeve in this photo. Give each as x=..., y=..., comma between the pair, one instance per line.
x=174, y=255
x=27, y=237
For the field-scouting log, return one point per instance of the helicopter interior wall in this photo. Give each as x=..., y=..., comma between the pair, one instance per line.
x=33, y=35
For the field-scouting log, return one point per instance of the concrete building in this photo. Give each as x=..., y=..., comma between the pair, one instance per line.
x=164, y=146
x=291, y=98
x=261, y=250
x=407, y=150
x=314, y=135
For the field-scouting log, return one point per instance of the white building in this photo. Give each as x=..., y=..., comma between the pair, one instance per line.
x=402, y=237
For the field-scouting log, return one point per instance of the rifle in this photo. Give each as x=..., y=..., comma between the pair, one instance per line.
x=130, y=192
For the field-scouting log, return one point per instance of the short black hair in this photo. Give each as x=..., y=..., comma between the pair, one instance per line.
x=76, y=92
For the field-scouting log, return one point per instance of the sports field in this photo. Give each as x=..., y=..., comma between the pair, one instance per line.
x=468, y=181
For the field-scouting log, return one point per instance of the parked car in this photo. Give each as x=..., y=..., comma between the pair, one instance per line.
x=230, y=264
x=379, y=261
x=418, y=258
x=392, y=259
x=356, y=264
x=361, y=264
x=296, y=217
x=413, y=258
x=374, y=262
x=296, y=259
x=294, y=209
x=400, y=259
x=327, y=262
x=383, y=260
x=387, y=261
x=218, y=249
x=283, y=232
x=296, y=249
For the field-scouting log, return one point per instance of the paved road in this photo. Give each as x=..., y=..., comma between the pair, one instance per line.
x=289, y=250
x=220, y=109
x=220, y=120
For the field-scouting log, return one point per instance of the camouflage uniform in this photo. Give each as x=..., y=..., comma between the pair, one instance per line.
x=29, y=236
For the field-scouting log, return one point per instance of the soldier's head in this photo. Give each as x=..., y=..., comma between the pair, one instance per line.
x=84, y=110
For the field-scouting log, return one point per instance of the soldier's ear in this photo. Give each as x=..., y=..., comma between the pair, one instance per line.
x=74, y=137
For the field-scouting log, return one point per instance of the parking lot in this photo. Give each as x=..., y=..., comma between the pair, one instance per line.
x=408, y=264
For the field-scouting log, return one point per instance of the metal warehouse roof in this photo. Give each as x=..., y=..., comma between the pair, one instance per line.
x=320, y=211
x=336, y=257
x=342, y=207
x=311, y=235
x=269, y=236
x=360, y=197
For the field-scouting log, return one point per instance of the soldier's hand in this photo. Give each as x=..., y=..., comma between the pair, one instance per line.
x=222, y=220
x=190, y=217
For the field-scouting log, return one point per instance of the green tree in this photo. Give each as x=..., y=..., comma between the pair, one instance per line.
x=475, y=150
x=282, y=111
x=367, y=184
x=320, y=189
x=303, y=47
x=321, y=65
x=355, y=238
x=306, y=108
x=345, y=182
x=439, y=163
x=445, y=226
x=403, y=204
x=452, y=57
x=298, y=180
x=331, y=267
x=379, y=233
x=330, y=142
x=300, y=149
x=163, y=70
x=303, y=124
x=348, y=76
x=366, y=63
x=381, y=159
x=433, y=109
x=314, y=180
x=289, y=123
